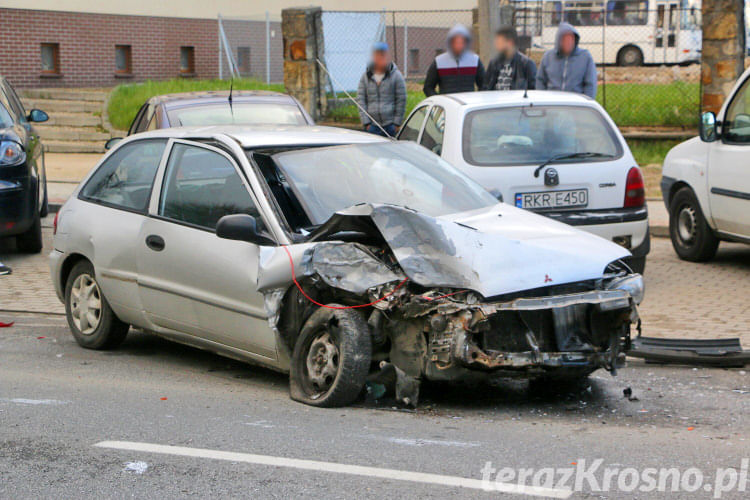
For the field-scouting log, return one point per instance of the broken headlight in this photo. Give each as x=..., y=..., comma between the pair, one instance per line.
x=633, y=284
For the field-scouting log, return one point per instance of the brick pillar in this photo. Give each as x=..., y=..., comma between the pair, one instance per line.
x=302, y=32
x=723, y=50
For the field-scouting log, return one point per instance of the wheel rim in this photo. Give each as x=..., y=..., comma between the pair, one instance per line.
x=686, y=224
x=631, y=56
x=322, y=363
x=86, y=304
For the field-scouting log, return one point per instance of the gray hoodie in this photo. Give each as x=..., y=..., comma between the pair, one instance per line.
x=575, y=72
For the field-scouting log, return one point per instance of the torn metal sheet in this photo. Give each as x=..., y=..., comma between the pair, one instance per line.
x=705, y=352
x=480, y=250
x=347, y=266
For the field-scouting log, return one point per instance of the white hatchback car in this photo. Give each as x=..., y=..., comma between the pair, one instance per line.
x=555, y=153
x=706, y=182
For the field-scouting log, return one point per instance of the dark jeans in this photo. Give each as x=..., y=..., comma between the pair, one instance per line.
x=374, y=129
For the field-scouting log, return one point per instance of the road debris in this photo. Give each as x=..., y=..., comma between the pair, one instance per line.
x=707, y=352
x=136, y=467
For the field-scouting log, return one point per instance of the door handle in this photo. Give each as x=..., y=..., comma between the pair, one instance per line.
x=155, y=242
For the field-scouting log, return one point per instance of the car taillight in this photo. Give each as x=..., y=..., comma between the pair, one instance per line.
x=54, y=223
x=635, y=192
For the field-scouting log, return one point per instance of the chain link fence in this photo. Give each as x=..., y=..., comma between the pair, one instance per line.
x=251, y=47
x=647, y=58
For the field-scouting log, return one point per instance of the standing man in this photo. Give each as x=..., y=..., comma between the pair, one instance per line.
x=382, y=92
x=567, y=66
x=509, y=70
x=456, y=70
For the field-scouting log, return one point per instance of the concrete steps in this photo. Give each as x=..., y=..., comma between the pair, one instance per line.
x=75, y=124
x=55, y=146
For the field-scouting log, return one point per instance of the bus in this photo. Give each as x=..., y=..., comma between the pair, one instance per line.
x=621, y=32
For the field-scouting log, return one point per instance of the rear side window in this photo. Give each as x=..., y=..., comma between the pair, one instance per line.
x=202, y=186
x=125, y=179
x=411, y=128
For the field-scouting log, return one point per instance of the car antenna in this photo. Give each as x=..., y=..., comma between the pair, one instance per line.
x=526, y=90
x=373, y=120
x=231, y=89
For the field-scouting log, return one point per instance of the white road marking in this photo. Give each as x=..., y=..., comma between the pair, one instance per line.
x=427, y=442
x=23, y=401
x=357, y=470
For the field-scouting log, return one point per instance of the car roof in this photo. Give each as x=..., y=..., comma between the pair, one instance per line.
x=514, y=97
x=253, y=136
x=209, y=96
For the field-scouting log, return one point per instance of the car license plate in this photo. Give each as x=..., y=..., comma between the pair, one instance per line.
x=573, y=198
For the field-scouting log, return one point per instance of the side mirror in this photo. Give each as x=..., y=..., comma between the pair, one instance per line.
x=37, y=116
x=707, y=127
x=112, y=143
x=241, y=227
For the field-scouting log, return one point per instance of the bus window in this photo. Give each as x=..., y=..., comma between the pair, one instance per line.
x=584, y=13
x=553, y=16
x=627, y=12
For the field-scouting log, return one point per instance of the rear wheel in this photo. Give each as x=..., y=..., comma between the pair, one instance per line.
x=692, y=237
x=331, y=358
x=630, y=56
x=91, y=320
x=31, y=240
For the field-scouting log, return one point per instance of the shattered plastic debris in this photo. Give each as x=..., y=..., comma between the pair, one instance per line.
x=6, y=325
x=136, y=467
x=628, y=393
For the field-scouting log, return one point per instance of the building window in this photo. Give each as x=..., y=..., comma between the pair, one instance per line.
x=187, y=60
x=123, y=60
x=51, y=58
x=413, y=60
x=243, y=60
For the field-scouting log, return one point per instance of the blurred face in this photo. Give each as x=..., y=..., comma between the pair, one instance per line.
x=505, y=46
x=380, y=60
x=458, y=44
x=567, y=43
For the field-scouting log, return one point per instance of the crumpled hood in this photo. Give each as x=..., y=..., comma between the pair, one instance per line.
x=493, y=251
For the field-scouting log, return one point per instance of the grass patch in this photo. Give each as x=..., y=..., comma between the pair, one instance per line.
x=127, y=99
x=653, y=105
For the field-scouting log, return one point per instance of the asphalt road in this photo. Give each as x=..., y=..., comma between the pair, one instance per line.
x=57, y=401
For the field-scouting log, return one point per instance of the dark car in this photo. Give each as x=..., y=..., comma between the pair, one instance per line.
x=248, y=107
x=23, y=181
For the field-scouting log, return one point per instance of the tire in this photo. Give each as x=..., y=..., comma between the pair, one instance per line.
x=108, y=332
x=692, y=237
x=637, y=264
x=630, y=56
x=342, y=340
x=44, y=212
x=31, y=241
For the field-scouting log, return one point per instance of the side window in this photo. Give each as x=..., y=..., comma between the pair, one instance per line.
x=410, y=130
x=125, y=179
x=737, y=119
x=202, y=186
x=432, y=137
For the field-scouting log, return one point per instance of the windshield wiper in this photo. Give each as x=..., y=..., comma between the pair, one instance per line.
x=569, y=156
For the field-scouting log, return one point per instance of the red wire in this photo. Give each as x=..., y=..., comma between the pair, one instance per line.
x=291, y=264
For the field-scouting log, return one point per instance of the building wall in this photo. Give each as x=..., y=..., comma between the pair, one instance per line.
x=229, y=8
x=87, y=47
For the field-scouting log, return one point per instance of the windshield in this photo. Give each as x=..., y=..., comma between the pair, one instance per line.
x=533, y=134
x=329, y=179
x=241, y=113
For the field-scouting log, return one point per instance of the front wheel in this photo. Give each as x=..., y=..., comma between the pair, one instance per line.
x=331, y=358
x=692, y=237
x=91, y=320
x=630, y=56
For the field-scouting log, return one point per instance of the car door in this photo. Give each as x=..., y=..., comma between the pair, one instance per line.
x=729, y=167
x=107, y=229
x=189, y=279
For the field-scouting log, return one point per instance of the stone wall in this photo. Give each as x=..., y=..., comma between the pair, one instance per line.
x=302, y=32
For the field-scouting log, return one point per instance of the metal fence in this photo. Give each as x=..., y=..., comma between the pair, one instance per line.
x=645, y=57
x=251, y=47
